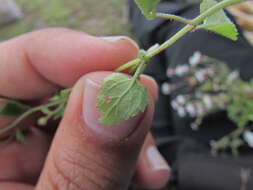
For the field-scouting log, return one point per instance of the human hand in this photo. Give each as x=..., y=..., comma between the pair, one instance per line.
x=83, y=154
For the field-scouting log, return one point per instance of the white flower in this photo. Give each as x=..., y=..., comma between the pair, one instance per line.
x=208, y=101
x=194, y=126
x=232, y=76
x=174, y=105
x=195, y=59
x=191, y=110
x=248, y=137
x=166, y=88
x=170, y=72
x=200, y=76
x=181, y=112
x=182, y=69
x=181, y=99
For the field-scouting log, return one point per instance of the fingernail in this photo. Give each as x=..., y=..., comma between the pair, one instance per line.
x=156, y=160
x=91, y=115
x=118, y=38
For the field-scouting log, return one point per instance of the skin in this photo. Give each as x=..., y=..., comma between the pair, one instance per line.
x=32, y=68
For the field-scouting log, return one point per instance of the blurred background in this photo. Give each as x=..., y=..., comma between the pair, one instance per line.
x=96, y=17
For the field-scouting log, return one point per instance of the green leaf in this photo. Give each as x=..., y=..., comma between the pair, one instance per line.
x=20, y=137
x=120, y=98
x=46, y=110
x=65, y=93
x=148, y=7
x=12, y=108
x=218, y=22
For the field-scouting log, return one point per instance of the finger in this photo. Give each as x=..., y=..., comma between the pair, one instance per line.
x=16, y=186
x=23, y=162
x=88, y=155
x=152, y=171
x=33, y=65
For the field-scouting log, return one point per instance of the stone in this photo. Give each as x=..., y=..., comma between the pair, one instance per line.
x=9, y=12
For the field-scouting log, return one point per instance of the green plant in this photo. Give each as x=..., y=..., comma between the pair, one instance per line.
x=118, y=89
x=213, y=88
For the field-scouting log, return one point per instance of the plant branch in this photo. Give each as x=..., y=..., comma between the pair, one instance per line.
x=233, y=135
x=173, y=17
x=139, y=70
x=14, y=124
x=128, y=65
x=189, y=27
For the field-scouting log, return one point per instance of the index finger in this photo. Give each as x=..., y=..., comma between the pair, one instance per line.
x=34, y=65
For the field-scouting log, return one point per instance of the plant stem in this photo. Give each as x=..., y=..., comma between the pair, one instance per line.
x=27, y=113
x=139, y=70
x=189, y=27
x=171, y=41
x=234, y=134
x=173, y=17
x=128, y=65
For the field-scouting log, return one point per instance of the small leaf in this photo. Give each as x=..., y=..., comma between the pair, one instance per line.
x=120, y=98
x=46, y=110
x=20, y=137
x=12, y=108
x=65, y=93
x=59, y=112
x=148, y=7
x=218, y=22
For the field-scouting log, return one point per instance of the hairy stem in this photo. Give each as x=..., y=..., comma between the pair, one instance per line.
x=128, y=65
x=15, y=123
x=173, y=17
x=189, y=27
x=139, y=70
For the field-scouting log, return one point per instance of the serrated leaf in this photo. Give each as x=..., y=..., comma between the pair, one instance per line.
x=148, y=7
x=120, y=98
x=11, y=108
x=218, y=22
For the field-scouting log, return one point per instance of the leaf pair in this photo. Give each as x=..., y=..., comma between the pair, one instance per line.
x=218, y=22
x=122, y=97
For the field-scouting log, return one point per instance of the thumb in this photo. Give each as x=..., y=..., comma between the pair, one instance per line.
x=87, y=155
